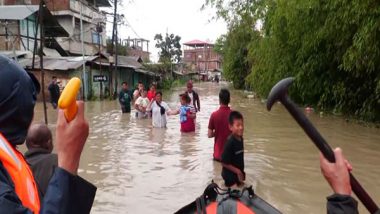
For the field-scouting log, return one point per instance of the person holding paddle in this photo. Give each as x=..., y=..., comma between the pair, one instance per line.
x=337, y=175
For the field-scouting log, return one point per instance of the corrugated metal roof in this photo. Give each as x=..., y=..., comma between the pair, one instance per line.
x=17, y=12
x=145, y=72
x=57, y=63
x=128, y=61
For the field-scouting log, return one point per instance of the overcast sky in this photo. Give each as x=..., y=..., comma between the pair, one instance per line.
x=181, y=17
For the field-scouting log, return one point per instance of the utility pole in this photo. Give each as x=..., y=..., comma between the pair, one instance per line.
x=42, y=41
x=116, y=60
x=83, y=60
x=114, y=34
x=99, y=29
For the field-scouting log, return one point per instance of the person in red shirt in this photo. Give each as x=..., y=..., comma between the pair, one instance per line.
x=152, y=92
x=218, y=124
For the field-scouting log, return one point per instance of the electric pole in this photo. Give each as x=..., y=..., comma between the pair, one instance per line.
x=114, y=41
x=42, y=41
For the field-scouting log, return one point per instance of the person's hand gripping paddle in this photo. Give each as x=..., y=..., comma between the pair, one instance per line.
x=279, y=92
x=67, y=100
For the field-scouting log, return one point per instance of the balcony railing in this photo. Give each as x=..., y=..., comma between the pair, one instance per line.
x=87, y=10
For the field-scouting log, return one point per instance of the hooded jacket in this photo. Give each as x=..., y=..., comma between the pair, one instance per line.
x=18, y=94
x=66, y=193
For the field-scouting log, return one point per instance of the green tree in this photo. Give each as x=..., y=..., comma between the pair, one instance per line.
x=331, y=47
x=121, y=49
x=170, y=47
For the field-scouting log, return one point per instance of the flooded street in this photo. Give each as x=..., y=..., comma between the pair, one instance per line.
x=138, y=169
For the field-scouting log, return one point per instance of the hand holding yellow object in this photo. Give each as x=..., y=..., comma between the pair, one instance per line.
x=67, y=100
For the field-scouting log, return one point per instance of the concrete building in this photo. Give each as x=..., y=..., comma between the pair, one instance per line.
x=138, y=47
x=18, y=27
x=67, y=13
x=199, y=56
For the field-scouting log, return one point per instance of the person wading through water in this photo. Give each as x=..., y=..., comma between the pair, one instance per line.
x=218, y=127
x=54, y=92
x=194, y=97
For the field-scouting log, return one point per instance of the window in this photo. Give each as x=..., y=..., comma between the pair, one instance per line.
x=97, y=38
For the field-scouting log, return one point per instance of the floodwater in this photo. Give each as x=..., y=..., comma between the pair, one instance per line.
x=138, y=169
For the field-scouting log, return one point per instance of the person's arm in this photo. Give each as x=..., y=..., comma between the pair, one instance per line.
x=198, y=103
x=149, y=108
x=235, y=170
x=137, y=104
x=173, y=112
x=135, y=94
x=170, y=111
x=211, y=127
x=211, y=133
x=341, y=204
x=337, y=175
x=121, y=98
x=67, y=192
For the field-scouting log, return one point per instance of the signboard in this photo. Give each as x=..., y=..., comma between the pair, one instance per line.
x=99, y=78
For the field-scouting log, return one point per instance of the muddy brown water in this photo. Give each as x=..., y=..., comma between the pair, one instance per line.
x=138, y=169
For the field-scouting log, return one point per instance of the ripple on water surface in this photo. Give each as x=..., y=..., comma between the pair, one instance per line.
x=138, y=169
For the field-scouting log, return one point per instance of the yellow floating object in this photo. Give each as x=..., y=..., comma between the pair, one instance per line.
x=67, y=100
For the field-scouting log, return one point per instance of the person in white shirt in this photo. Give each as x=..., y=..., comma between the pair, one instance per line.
x=141, y=105
x=160, y=110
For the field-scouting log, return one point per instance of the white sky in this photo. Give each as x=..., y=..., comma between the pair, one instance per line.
x=181, y=17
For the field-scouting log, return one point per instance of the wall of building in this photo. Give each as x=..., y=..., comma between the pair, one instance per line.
x=62, y=76
x=52, y=5
x=13, y=31
x=139, y=53
x=202, y=59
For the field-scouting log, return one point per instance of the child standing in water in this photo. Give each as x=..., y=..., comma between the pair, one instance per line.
x=187, y=114
x=233, y=154
x=141, y=105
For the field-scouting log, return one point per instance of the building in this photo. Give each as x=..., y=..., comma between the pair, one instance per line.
x=199, y=56
x=67, y=13
x=136, y=48
x=18, y=27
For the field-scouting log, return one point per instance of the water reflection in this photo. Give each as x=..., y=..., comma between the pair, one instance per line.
x=139, y=169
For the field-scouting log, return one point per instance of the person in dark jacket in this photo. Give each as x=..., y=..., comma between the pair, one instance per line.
x=125, y=98
x=54, y=92
x=193, y=96
x=39, y=142
x=66, y=192
x=337, y=175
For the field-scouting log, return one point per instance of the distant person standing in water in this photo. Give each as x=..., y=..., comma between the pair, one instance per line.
x=218, y=126
x=193, y=96
x=54, y=92
x=125, y=98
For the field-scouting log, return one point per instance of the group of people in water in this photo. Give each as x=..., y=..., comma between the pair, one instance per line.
x=149, y=104
x=23, y=189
